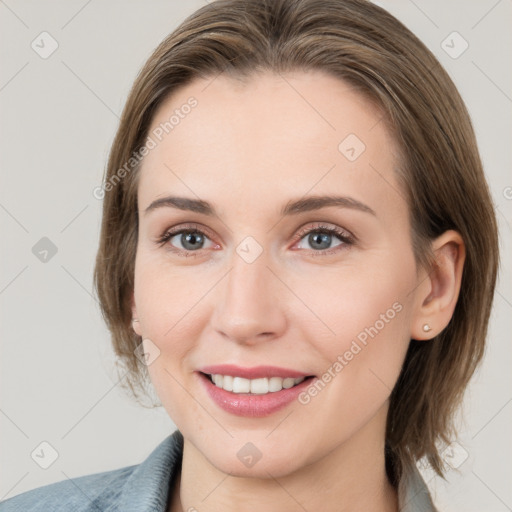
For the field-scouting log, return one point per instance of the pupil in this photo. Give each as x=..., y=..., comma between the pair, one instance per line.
x=318, y=238
x=191, y=240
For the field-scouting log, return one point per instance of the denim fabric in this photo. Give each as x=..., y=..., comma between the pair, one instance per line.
x=140, y=488
x=413, y=494
x=145, y=488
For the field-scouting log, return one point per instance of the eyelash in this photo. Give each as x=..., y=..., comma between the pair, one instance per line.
x=343, y=235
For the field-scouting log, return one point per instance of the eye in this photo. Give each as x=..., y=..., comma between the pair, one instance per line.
x=320, y=238
x=191, y=239
x=186, y=240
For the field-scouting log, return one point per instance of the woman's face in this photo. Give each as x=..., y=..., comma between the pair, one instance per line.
x=255, y=283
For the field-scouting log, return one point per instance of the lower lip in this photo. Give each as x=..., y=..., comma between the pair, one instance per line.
x=252, y=405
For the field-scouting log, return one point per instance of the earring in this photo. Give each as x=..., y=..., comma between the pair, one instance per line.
x=427, y=328
x=135, y=320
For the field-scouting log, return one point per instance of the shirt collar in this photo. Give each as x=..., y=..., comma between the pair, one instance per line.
x=148, y=487
x=413, y=493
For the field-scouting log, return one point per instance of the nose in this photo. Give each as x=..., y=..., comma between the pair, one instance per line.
x=248, y=310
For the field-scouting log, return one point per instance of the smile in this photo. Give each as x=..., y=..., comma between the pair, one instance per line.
x=253, y=397
x=260, y=386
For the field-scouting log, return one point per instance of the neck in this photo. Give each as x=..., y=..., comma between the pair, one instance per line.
x=350, y=477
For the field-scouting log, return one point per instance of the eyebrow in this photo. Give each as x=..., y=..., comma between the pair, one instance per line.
x=293, y=207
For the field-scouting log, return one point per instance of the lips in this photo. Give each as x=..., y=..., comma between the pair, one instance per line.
x=253, y=404
x=256, y=372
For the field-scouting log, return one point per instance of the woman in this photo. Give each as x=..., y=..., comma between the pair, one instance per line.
x=299, y=249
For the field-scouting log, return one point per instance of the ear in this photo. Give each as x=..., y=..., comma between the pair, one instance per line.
x=438, y=291
x=135, y=324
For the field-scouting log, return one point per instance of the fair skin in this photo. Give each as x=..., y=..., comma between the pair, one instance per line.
x=248, y=149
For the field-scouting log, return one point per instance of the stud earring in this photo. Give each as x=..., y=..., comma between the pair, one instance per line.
x=426, y=328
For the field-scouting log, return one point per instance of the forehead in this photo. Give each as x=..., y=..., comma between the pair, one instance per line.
x=278, y=134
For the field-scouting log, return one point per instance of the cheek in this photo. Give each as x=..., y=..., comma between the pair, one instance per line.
x=170, y=306
x=167, y=298
x=368, y=313
x=357, y=303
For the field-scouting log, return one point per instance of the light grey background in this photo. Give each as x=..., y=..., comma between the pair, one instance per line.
x=58, y=118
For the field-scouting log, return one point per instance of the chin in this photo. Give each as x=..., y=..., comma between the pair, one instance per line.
x=263, y=458
x=265, y=468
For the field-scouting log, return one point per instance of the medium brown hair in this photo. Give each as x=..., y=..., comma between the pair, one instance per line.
x=440, y=173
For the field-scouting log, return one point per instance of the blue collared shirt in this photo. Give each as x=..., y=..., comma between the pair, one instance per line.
x=145, y=487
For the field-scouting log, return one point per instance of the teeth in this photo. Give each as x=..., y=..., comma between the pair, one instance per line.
x=239, y=385
x=254, y=386
x=259, y=386
x=275, y=384
x=288, y=383
x=227, y=383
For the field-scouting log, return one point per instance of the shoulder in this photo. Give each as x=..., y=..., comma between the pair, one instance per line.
x=82, y=494
x=140, y=487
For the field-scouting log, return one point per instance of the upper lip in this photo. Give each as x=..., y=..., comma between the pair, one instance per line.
x=255, y=372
